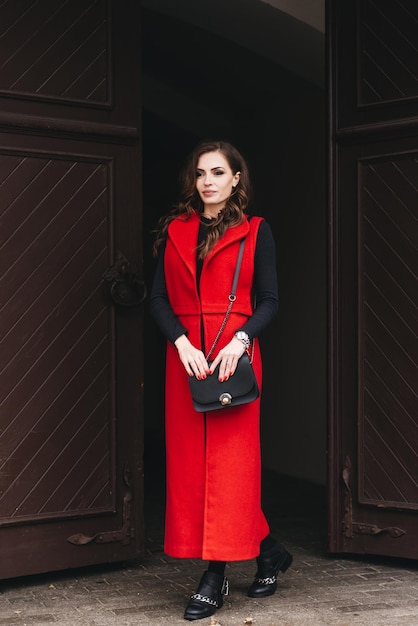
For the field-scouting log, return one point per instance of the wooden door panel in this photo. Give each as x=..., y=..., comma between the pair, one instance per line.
x=387, y=36
x=70, y=358
x=375, y=60
x=387, y=345
x=376, y=432
x=373, y=244
x=61, y=349
x=70, y=469
x=67, y=43
x=59, y=61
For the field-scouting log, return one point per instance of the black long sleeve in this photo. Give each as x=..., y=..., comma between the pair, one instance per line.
x=160, y=307
x=265, y=284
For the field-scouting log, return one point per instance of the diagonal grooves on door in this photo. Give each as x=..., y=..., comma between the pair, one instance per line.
x=388, y=338
x=384, y=74
x=53, y=312
x=378, y=387
x=59, y=485
x=384, y=475
x=386, y=374
x=380, y=10
x=42, y=203
x=409, y=452
x=406, y=349
x=64, y=53
x=384, y=68
x=37, y=208
x=35, y=453
x=389, y=413
x=34, y=302
x=388, y=360
x=58, y=275
x=26, y=185
x=61, y=389
x=49, y=346
x=388, y=43
x=35, y=33
x=389, y=303
x=394, y=236
x=76, y=80
x=44, y=263
x=390, y=52
x=387, y=210
x=82, y=72
x=391, y=246
x=389, y=275
x=40, y=57
x=33, y=461
x=83, y=484
x=44, y=276
x=58, y=332
x=12, y=165
x=390, y=462
x=26, y=373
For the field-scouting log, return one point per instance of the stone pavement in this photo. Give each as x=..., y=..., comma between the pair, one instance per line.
x=318, y=589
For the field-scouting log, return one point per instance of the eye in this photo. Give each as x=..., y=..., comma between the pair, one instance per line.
x=198, y=174
x=219, y=172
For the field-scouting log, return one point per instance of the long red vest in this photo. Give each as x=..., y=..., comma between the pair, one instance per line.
x=213, y=460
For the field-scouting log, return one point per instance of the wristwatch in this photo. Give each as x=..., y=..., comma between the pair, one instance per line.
x=243, y=337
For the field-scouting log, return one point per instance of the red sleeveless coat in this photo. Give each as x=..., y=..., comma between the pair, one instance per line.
x=213, y=460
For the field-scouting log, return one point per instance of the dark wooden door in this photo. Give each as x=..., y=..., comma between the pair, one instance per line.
x=70, y=341
x=373, y=269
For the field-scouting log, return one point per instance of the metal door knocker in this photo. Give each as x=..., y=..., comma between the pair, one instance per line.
x=124, y=286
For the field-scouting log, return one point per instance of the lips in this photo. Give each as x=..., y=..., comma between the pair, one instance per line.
x=209, y=192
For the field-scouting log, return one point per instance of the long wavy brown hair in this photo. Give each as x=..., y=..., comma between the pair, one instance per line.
x=235, y=207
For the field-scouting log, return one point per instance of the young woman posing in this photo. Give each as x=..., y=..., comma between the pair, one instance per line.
x=213, y=459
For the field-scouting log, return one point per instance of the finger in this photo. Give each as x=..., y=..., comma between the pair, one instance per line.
x=197, y=367
x=202, y=365
x=224, y=369
x=200, y=370
x=188, y=368
x=187, y=361
x=215, y=364
x=230, y=364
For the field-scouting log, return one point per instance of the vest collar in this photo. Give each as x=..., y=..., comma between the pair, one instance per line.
x=183, y=234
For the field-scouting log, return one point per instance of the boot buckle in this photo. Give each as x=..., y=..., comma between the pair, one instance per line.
x=225, y=587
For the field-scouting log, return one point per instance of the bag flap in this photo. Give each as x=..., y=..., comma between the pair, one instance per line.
x=208, y=390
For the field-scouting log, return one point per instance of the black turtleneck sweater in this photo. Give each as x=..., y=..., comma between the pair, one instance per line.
x=265, y=284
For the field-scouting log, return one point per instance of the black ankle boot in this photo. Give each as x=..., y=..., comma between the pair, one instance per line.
x=269, y=564
x=208, y=598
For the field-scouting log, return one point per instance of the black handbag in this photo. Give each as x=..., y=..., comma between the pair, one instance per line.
x=209, y=394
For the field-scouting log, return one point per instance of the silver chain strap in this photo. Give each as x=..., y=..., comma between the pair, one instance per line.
x=232, y=297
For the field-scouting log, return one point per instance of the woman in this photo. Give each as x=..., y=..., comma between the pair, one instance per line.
x=213, y=459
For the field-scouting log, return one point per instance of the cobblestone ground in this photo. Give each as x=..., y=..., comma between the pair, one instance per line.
x=317, y=590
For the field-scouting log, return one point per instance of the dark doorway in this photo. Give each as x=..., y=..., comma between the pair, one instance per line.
x=200, y=86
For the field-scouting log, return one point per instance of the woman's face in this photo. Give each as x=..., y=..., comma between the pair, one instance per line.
x=215, y=181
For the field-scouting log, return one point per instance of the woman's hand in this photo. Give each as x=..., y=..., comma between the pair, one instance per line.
x=193, y=359
x=228, y=358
